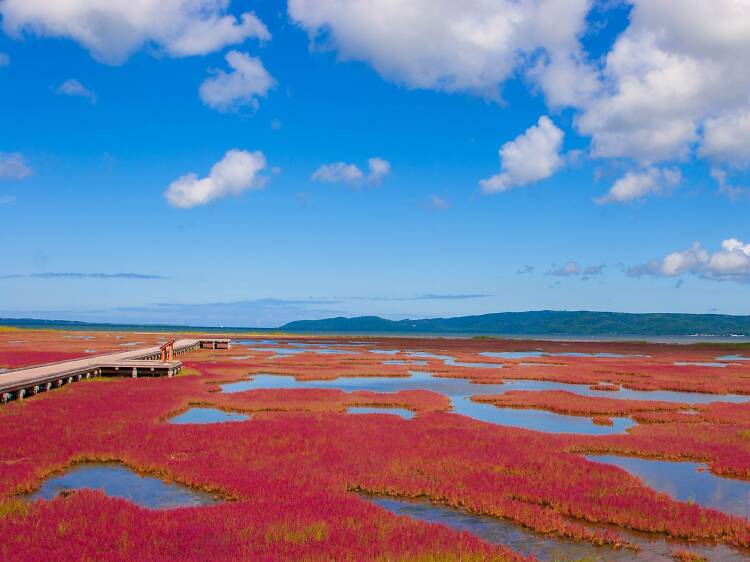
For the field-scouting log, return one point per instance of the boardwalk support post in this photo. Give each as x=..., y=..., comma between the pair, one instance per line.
x=18, y=384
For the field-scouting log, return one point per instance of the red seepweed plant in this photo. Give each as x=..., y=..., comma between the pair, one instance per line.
x=292, y=471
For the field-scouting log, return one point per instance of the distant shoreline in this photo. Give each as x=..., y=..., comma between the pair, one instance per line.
x=598, y=326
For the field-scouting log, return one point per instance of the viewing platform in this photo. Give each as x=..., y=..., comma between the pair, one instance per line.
x=155, y=361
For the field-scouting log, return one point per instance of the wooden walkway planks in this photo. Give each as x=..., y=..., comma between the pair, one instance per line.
x=17, y=380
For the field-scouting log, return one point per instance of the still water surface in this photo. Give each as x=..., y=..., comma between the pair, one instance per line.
x=687, y=481
x=458, y=391
x=537, y=354
x=622, y=393
x=525, y=541
x=119, y=481
x=206, y=416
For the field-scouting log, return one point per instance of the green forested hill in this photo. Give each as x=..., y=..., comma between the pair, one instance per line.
x=542, y=322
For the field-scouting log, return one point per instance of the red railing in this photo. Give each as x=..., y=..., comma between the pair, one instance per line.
x=167, y=351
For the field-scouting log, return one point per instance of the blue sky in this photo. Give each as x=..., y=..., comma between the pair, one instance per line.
x=357, y=165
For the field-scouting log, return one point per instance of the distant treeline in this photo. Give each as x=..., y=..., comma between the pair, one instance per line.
x=543, y=322
x=104, y=327
x=536, y=323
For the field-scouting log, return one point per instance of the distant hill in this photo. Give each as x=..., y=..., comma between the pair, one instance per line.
x=541, y=322
x=535, y=323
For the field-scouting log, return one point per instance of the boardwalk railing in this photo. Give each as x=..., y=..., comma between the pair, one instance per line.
x=16, y=384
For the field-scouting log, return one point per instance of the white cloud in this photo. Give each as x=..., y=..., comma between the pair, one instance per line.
x=635, y=186
x=4, y=59
x=13, y=166
x=238, y=171
x=471, y=45
x=531, y=157
x=678, y=67
x=727, y=138
x=730, y=263
x=73, y=87
x=341, y=172
x=242, y=86
x=113, y=30
x=567, y=80
x=733, y=192
x=338, y=172
x=212, y=34
x=674, y=85
x=379, y=168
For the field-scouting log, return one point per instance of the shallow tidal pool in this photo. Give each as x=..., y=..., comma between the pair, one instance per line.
x=501, y=531
x=459, y=391
x=687, y=481
x=206, y=416
x=119, y=481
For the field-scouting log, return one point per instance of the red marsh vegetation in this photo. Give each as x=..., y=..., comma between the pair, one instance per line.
x=293, y=473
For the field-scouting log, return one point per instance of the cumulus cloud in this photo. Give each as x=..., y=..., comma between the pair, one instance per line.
x=341, y=172
x=379, y=169
x=673, y=85
x=471, y=45
x=730, y=263
x=238, y=171
x=727, y=139
x=338, y=172
x=676, y=69
x=531, y=157
x=635, y=186
x=73, y=87
x=112, y=31
x=13, y=166
x=247, y=80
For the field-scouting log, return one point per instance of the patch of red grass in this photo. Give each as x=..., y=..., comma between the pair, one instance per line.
x=270, y=527
x=292, y=472
x=568, y=403
x=328, y=400
x=504, y=472
x=687, y=556
x=16, y=359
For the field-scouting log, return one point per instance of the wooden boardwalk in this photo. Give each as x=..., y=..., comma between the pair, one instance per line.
x=18, y=383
